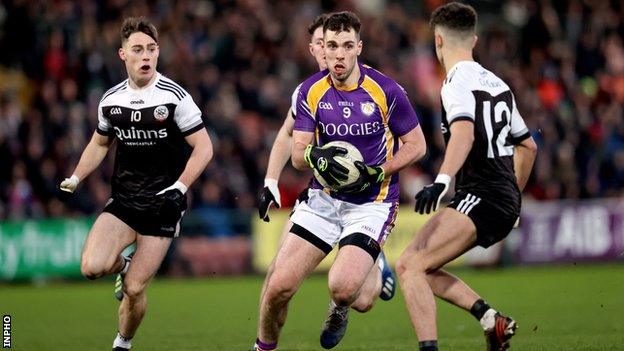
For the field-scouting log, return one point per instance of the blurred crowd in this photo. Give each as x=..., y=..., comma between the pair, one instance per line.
x=241, y=60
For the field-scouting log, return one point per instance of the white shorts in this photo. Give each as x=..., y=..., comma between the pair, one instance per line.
x=331, y=220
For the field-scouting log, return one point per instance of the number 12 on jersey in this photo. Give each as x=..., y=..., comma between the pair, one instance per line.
x=497, y=122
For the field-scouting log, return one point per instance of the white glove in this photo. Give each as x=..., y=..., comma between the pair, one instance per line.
x=69, y=184
x=177, y=185
x=272, y=185
x=517, y=224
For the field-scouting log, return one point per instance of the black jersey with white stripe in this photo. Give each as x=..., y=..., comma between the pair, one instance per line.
x=149, y=125
x=471, y=92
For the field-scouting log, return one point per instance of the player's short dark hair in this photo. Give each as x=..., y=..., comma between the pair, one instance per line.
x=454, y=16
x=137, y=24
x=342, y=21
x=318, y=22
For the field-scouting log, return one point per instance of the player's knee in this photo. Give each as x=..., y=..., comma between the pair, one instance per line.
x=133, y=290
x=279, y=289
x=364, y=306
x=343, y=294
x=90, y=270
x=408, y=265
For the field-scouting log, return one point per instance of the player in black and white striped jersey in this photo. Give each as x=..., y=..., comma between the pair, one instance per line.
x=490, y=153
x=162, y=147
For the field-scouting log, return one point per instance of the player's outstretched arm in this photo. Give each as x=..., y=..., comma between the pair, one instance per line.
x=92, y=156
x=280, y=153
x=457, y=150
x=524, y=157
x=201, y=155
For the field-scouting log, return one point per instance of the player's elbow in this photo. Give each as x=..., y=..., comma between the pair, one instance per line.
x=299, y=163
x=421, y=151
x=528, y=147
x=531, y=145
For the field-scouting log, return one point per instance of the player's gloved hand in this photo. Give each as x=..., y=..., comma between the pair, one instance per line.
x=322, y=160
x=369, y=175
x=173, y=202
x=428, y=199
x=270, y=195
x=70, y=184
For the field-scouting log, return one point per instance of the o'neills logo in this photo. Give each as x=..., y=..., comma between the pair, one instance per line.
x=139, y=134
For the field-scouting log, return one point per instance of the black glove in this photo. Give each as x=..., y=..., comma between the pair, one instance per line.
x=172, y=206
x=368, y=176
x=322, y=160
x=428, y=199
x=269, y=195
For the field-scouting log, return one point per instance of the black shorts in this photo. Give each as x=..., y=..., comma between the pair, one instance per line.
x=493, y=221
x=145, y=222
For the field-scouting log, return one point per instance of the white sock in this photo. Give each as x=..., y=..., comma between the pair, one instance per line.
x=334, y=306
x=120, y=341
x=488, y=320
x=124, y=270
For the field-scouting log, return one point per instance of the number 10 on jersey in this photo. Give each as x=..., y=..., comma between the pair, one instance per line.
x=135, y=116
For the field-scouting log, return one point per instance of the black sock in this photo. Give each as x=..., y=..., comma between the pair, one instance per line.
x=479, y=308
x=428, y=345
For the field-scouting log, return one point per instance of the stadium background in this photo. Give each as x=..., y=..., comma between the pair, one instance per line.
x=241, y=60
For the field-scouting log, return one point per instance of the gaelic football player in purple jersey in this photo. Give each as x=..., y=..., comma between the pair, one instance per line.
x=357, y=104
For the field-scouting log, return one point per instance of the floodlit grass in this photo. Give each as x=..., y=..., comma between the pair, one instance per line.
x=557, y=308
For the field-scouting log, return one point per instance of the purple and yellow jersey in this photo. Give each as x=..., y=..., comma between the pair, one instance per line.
x=371, y=116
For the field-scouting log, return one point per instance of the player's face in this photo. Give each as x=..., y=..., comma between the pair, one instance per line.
x=140, y=53
x=341, y=52
x=316, y=48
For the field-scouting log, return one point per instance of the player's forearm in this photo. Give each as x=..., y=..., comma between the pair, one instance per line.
x=524, y=157
x=298, y=149
x=457, y=151
x=407, y=154
x=91, y=158
x=280, y=153
x=201, y=155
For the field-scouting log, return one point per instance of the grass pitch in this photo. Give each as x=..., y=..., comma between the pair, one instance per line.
x=557, y=308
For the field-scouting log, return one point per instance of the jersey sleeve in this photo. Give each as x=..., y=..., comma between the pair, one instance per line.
x=293, y=102
x=401, y=115
x=188, y=116
x=519, y=130
x=458, y=101
x=104, y=126
x=304, y=119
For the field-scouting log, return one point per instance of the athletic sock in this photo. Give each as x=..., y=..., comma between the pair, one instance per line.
x=428, y=345
x=124, y=270
x=488, y=321
x=264, y=346
x=121, y=341
x=334, y=306
x=479, y=308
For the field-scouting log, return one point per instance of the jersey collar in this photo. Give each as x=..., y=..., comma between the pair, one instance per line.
x=354, y=86
x=147, y=87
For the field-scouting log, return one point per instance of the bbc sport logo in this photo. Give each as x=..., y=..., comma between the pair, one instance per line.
x=6, y=331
